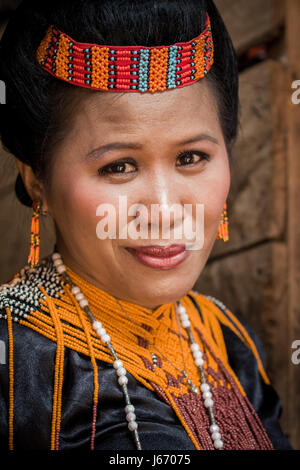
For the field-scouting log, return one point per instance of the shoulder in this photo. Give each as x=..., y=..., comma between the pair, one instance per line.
x=243, y=344
x=232, y=320
x=21, y=295
x=21, y=311
x=247, y=357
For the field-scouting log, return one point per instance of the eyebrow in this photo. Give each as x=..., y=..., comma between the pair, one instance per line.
x=97, y=152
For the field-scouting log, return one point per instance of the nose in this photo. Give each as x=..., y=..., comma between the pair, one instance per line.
x=160, y=205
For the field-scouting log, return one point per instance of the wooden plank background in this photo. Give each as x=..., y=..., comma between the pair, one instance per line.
x=257, y=272
x=293, y=210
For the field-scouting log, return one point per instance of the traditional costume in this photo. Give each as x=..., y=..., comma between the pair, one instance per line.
x=59, y=389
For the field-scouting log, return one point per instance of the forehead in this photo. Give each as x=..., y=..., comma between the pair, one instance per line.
x=172, y=109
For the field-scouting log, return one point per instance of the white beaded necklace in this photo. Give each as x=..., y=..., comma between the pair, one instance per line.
x=121, y=371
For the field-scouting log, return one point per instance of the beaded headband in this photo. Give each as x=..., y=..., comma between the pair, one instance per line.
x=126, y=68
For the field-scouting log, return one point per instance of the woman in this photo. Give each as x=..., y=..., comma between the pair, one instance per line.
x=111, y=322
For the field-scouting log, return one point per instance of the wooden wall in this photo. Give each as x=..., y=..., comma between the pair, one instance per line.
x=257, y=272
x=15, y=219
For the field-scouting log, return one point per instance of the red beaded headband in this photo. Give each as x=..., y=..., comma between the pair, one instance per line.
x=126, y=68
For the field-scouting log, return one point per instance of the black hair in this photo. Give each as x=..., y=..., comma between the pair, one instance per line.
x=38, y=106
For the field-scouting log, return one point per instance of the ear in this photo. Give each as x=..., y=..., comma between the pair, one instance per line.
x=33, y=186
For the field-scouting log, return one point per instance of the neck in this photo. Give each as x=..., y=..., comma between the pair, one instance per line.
x=88, y=281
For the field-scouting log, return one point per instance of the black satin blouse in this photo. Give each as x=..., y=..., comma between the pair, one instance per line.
x=159, y=426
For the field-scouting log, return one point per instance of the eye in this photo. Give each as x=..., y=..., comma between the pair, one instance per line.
x=121, y=167
x=188, y=158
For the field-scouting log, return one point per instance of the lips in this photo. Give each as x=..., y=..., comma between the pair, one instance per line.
x=156, y=256
x=161, y=252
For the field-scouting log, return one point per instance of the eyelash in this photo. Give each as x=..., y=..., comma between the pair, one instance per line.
x=105, y=170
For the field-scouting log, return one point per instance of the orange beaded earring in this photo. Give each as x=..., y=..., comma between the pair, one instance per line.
x=223, y=227
x=34, y=254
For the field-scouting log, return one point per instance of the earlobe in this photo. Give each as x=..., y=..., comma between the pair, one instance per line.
x=31, y=183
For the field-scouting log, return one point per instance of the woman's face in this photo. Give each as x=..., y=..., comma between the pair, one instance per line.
x=163, y=148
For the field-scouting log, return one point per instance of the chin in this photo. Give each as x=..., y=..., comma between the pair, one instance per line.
x=162, y=294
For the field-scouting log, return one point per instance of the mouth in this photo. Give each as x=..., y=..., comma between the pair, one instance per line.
x=159, y=257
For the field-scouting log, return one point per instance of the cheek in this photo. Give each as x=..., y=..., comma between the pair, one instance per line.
x=212, y=191
x=75, y=198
